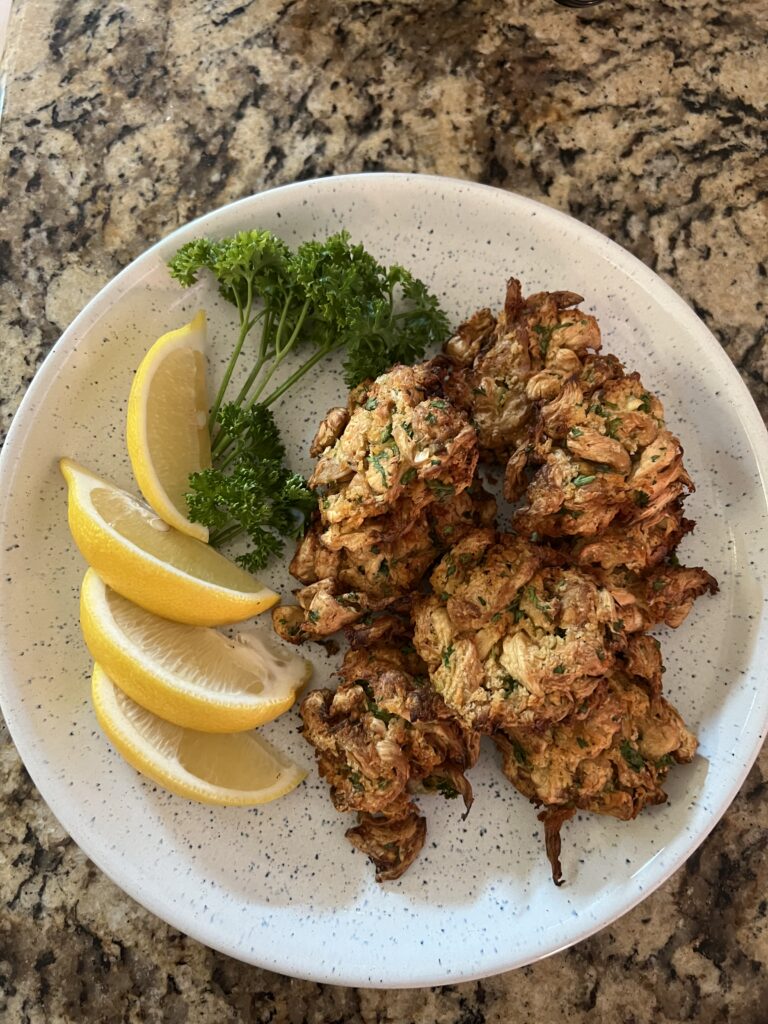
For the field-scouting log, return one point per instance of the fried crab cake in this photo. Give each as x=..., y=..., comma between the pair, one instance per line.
x=500, y=365
x=401, y=439
x=382, y=735
x=610, y=755
x=381, y=563
x=597, y=455
x=511, y=637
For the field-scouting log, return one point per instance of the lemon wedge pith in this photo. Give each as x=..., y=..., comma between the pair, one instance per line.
x=189, y=675
x=234, y=769
x=167, y=423
x=151, y=563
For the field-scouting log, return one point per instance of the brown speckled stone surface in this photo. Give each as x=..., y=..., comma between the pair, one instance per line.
x=123, y=120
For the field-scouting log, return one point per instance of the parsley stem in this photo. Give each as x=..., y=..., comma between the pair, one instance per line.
x=282, y=353
x=281, y=324
x=222, y=463
x=223, y=442
x=223, y=536
x=261, y=359
x=297, y=375
x=221, y=449
x=245, y=325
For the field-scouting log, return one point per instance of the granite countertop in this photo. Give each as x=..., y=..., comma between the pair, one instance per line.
x=122, y=121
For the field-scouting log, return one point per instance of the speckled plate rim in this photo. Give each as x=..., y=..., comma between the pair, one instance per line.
x=670, y=858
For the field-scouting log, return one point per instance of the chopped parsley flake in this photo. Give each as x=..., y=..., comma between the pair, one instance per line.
x=518, y=751
x=544, y=334
x=376, y=460
x=612, y=425
x=440, y=489
x=443, y=786
x=533, y=597
x=373, y=708
x=632, y=756
x=509, y=684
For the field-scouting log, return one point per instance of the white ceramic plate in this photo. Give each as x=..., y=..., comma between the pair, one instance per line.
x=280, y=886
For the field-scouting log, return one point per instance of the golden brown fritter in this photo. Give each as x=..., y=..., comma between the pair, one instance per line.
x=634, y=547
x=586, y=446
x=390, y=628
x=381, y=563
x=600, y=477
x=324, y=608
x=403, y=439
x=537, y=636
x=663, y=595
x=509, y=638
x=600, y=457
x=396, y=471
x=501, y=365
x=610, y=755
x=379, y=736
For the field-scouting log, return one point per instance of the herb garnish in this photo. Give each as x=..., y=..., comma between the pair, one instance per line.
x=325, y=296
x=442, y=785
x=632, y=756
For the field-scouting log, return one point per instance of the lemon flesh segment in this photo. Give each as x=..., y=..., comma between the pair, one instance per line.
x=167, y=423
x=189, y=675
x=151, y=563
x=235, y=769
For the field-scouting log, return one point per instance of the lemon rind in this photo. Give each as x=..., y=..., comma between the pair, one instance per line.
x=157, y=689
x=160, y=585
x=137, y=439
x=138, y=754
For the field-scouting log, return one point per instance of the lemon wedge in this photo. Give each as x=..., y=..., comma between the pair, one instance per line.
x=188, y=675
x=236, y=769
x=167, y=424
x=151, y=563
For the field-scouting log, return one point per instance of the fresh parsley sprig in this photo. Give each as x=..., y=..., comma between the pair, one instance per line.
x=250, y=490
x=325, y=296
